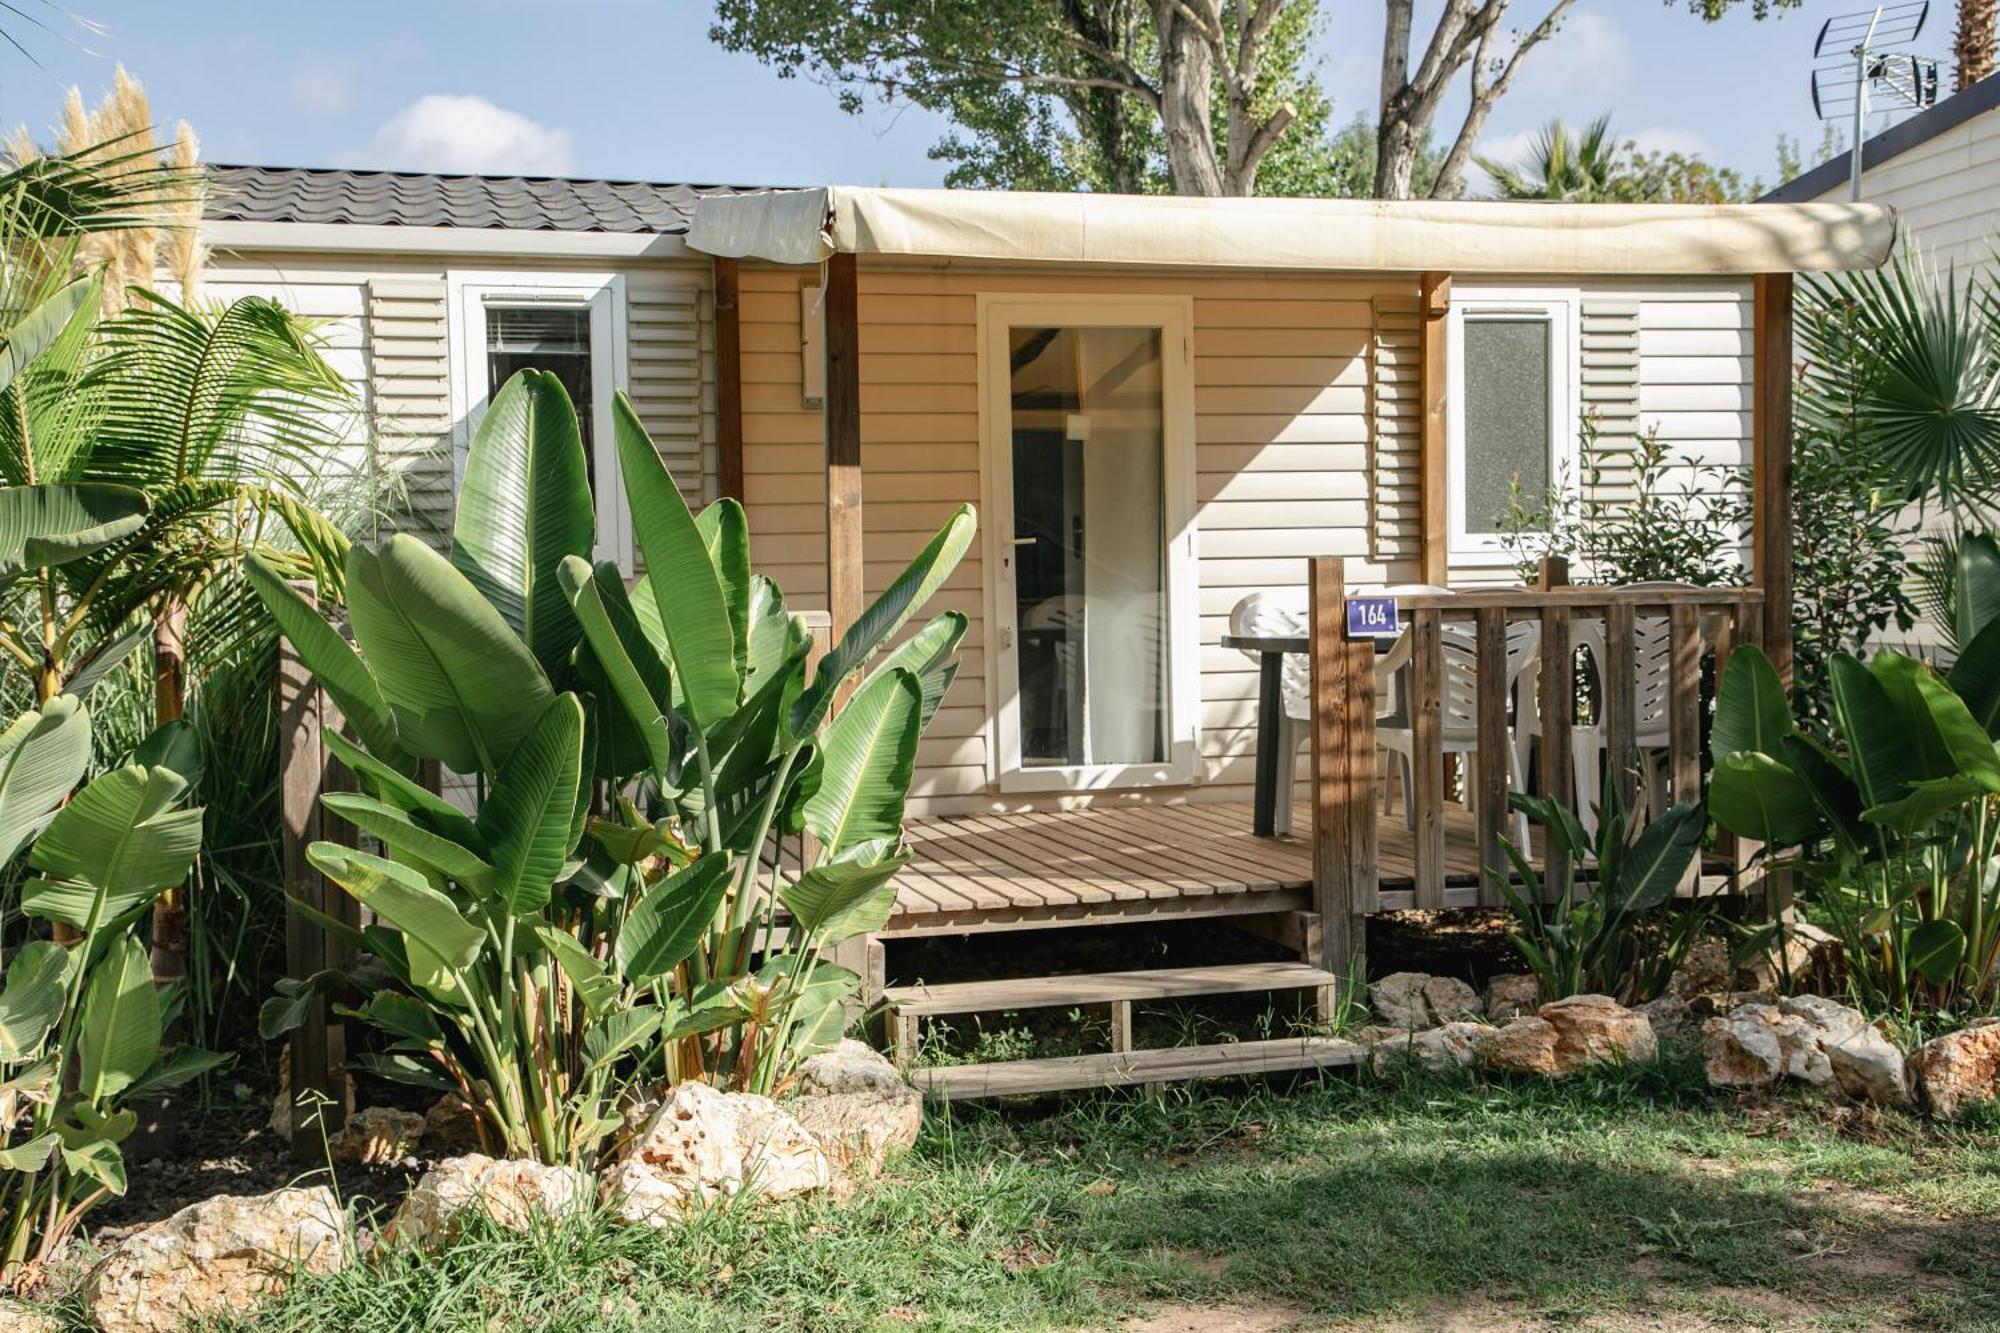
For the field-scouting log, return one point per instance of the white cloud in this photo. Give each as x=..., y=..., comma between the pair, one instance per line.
x=1507, y=149
x=322, y=88
x=1672, y=141
x=461, y=132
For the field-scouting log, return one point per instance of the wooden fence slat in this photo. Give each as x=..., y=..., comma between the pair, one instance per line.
x=1557, y=706
x=1684, y=702
x=1427, y=757
x=1362, y=767
x=1619, y=701
x=1489, y=783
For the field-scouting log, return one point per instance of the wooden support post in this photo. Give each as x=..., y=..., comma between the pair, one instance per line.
x=1489, y=782
x=1684, y=702
x=317, y=1049
x=1557, y=709
x=729, y=379
x=1771, y=463
x=1433, y=305
x=1427, y=754
x=1339, y=896
x=1121, y=1025
x=844, y=588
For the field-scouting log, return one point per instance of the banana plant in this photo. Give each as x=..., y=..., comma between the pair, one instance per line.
x=81, y=1021
x=1896, y=826
x=1611, y=938
x=616, y=912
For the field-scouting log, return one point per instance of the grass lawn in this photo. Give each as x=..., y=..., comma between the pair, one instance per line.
x=1634, y=1199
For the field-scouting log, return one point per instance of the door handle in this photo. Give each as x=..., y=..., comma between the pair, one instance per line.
x=1022, y=541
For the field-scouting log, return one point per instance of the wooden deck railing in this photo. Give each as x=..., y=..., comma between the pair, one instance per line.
x=1700, y=621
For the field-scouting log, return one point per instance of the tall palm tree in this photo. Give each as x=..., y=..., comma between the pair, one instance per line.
x=1574, y=168
x=1973, y=45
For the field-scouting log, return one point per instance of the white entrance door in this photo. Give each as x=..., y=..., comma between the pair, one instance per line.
x=1089, y=468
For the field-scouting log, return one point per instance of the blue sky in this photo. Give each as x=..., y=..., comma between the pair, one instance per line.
x=633, y=88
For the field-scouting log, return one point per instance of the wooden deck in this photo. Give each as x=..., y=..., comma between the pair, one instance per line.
x=1002, y=872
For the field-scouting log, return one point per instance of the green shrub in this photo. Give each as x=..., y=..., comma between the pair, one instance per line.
x=80, y=1019
x=611, y=915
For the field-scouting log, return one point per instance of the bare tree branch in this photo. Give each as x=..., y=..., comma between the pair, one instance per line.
x=1451, y=176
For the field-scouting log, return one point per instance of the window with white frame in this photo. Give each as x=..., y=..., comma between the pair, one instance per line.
x=1511, y=388
x=571, y=325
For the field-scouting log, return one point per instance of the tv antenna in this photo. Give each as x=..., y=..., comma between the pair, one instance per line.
x=1856, y=57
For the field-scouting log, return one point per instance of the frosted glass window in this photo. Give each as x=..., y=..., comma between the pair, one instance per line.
x=1507, y=434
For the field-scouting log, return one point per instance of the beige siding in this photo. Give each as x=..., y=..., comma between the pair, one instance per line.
x=1397, y=418
x=1282, y=431
x=388, y=329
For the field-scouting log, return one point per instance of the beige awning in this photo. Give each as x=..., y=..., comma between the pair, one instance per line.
x=805, y=226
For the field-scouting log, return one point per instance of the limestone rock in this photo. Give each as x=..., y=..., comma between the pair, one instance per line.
x=1525, y=1046
x=1595, y=1029
x=1959, y=1070
x=1411, y=1000
x=700, y=1145
x=377, y=1136
x=1439, y=1049
x=219, y=1255
x=1868, y=1067
x=1810, y=1038
x=451, y=1125
x=516, y=1195
x=1808, y=951
x=18, y=1318
x=1704, y=968
x=1511, y=995
x=855, y=1103
x=1669, y=1015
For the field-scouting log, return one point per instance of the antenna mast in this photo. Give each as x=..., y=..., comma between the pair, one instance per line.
x=1851, y=49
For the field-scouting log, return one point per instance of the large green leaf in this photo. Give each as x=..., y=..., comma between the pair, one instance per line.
x=347, y=680
x=727, y=535
x=53, y=524
x=523, y=506
x=412, y=842
x=1883, y=753
x=42, y=757
x=1965, y=740
x=1755, y=796
x=119, y=1036
x=1975, y=600
x=636, y=677
x=594, y=985
x=1924, y=803
x=1900, y=676
x=463, y=686
x=1936, y=948
x=529, y=818
x=865, y=761
x=33, y=999
x=439, y=942
x=688, y=592
x=1751, y=712
x=394, y=788
x=931, y=654
x=775, y=636
x=921, y=578
x=670, y=918
x=1658, y=859
x=121, y=835
x=1975, y=678
x=848, y=896
x=34, y=332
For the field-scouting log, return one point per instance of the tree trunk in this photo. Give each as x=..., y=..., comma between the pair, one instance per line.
x=1187, y=70
x=170, y=913
x=1974, y=44
x=1395, y=142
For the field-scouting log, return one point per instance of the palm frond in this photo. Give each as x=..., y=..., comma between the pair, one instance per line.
x=241, y=392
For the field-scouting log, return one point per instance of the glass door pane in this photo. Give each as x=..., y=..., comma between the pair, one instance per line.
x=1089, y=535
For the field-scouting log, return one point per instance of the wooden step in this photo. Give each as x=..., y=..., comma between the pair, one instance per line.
x=1117, y=1069
x=1162, y=983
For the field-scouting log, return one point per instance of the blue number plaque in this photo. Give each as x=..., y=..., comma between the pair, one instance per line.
x=1372, y=618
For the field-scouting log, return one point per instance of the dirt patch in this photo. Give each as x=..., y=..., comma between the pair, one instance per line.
x=1243, y=1317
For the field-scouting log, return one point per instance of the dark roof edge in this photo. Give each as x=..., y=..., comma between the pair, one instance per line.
x=1891, y=143
x=485, y=176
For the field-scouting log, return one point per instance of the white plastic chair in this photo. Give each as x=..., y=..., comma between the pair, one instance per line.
x=1458, y=721
x=1652, y=694
x=1282, y=613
